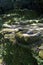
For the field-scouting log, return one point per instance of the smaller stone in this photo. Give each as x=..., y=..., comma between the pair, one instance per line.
x=1, y=61
x=41, y=54
x=20, y=28
x=16, y=23
x=8, y=15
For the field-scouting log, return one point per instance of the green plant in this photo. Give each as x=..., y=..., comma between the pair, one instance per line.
x=18, y=55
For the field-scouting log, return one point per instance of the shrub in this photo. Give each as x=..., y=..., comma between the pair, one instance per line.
x=18, y=55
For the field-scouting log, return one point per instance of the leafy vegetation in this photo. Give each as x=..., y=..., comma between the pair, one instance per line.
x=17, y=55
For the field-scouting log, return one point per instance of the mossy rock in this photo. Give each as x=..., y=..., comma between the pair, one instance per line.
x=41, y=54
x=1, y=60
x=11, y=37
x=26, y=39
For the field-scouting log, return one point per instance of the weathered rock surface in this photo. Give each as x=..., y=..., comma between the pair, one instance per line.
x=41, y=47
x=27, y=38
x=9, y=30
x=41, y=54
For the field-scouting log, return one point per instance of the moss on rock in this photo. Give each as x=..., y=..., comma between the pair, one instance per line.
x=41, y=54
x=26, y=39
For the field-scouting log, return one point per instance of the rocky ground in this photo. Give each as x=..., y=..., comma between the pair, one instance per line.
x=38, y=27
x=11, y=28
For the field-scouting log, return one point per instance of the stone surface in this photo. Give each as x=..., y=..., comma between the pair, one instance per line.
x=9, y=30
x=41, y=54
x=27, y=38
x=41, y=47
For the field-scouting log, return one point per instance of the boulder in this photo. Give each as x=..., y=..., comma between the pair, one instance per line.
x=27, y=38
